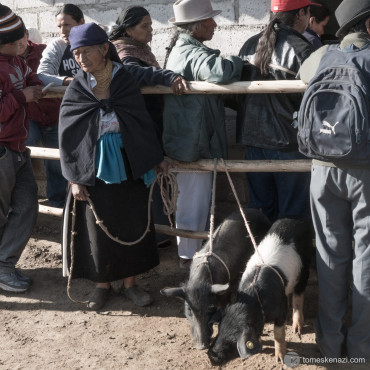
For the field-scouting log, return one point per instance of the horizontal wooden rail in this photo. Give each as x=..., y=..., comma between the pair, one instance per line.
x=162, y=229
x=201, y=165
x=200, y=87
x=301, y=165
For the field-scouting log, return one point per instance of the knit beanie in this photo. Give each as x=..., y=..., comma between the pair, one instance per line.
x=89, y=34
x=11, y=26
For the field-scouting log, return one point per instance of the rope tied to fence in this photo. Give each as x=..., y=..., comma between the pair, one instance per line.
x=249, y=229
x=210, y=253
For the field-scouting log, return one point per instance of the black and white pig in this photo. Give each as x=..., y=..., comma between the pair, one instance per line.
x=208, y=288
x=263, y=292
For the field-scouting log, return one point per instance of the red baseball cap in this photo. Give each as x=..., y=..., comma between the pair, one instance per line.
x=286, y=5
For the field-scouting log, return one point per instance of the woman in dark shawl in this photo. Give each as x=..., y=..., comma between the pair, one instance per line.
x=108, y=150
x=131, y=35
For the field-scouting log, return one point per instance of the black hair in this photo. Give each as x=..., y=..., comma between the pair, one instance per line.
x=129, y=17
x=73, y=10
x=359, y=27
x=268, y=38
x=319, y=12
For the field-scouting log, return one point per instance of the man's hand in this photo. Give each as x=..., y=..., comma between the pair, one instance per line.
x=179, y=85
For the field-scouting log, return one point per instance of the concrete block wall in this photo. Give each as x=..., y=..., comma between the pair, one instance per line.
x=239, y=19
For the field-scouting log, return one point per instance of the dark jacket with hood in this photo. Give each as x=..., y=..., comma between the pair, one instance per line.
x=79, y=127
x=266, y=120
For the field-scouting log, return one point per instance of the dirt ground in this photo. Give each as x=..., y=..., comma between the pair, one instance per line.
x=43, y=329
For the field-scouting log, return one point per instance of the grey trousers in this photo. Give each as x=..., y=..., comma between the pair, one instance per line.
x=340, y=204
x=18, y=205
x=195, y=190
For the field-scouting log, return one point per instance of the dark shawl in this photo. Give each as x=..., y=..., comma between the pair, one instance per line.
x=78, y=127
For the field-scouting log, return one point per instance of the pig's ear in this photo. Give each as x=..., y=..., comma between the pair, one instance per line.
x=219, y=288
x=173, y=292
x=242, y=347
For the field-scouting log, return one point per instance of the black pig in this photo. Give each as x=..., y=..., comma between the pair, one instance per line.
x=263, y=292
x=208, y=287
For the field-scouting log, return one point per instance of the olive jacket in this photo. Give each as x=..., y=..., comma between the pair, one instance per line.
x=194, y=125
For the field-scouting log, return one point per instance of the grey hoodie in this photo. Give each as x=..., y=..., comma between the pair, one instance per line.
x=52, y=59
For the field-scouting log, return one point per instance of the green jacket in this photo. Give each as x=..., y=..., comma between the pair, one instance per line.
x=194, y=125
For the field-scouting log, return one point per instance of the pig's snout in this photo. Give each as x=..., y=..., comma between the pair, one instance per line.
x=201, y=346
x=201, y=340
x=201, y=334
x=216, y=358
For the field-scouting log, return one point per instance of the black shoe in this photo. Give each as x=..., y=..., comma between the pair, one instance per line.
x=22, y=277
x=98, y=299
x=11, y=283
x=138, y=296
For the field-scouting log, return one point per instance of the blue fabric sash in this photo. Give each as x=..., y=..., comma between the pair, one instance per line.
x=109, y=162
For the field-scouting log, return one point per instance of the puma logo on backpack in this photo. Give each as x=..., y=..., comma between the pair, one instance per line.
x=332, y=128
x=333, y=121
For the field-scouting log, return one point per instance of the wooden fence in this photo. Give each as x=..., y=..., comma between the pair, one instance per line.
x=197, y=87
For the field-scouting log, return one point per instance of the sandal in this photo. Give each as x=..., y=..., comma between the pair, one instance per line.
x=98, y=299
x=138, y=296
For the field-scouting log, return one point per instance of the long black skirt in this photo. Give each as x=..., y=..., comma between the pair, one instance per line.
x=123, y=208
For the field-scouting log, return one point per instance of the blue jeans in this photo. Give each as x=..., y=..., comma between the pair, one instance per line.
x=56, y=184
x=278, y=194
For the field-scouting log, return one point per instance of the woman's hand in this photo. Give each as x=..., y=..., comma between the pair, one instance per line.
x=163, y=167
x=179, y=85
x=33, y=93
x=80, y=192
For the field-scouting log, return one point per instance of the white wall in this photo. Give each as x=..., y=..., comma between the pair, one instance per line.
x=238, y=21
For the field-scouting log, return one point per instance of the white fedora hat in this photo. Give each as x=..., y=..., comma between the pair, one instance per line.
x=188, y=11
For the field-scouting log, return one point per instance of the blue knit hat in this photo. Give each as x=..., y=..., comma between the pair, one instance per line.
x=89, y=34
x=86, y=35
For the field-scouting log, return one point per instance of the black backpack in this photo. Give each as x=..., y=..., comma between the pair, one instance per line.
x=333, y=121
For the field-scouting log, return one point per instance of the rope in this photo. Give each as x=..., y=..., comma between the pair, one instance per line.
x=213, y=206
x=73, y=233
x=169, y=191
x=211, y=231
x=253, y=283
x=247, y=225
x=241, y=210
x=276, y=272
